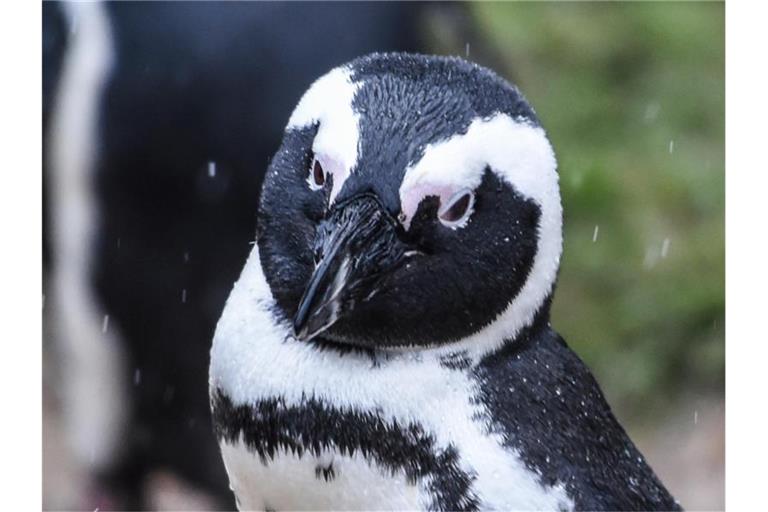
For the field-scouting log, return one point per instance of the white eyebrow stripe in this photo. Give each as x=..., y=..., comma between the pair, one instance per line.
x=516, y=151
x=521, y=155
x=328, y=102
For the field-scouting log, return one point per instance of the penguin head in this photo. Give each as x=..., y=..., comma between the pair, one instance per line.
x=413, y=202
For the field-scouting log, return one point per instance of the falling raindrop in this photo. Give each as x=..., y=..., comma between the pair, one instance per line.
x=594, y=233
x=184, y=296
x=695, y=417
x=211, y=169
x=671, y=146
x=105, y=324
x=665, y=248
x=136, y=377
x=186, y=256
x=466, y=50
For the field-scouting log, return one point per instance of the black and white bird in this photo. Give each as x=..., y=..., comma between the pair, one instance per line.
x=388, y=343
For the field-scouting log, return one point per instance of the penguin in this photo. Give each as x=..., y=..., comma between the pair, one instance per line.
x=388, y=343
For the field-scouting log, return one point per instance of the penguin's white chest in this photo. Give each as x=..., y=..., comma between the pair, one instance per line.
x=401, y=431
x=330, y=481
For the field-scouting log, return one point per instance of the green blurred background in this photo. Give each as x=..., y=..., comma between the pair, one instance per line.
x=633, y=98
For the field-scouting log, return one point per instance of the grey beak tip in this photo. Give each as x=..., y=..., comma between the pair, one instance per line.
x=300, y=331
x=310, y=325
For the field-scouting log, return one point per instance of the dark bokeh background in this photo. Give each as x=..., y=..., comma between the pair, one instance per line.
x=632, y=95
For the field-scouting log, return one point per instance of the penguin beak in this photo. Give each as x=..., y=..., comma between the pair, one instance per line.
x=355, y=248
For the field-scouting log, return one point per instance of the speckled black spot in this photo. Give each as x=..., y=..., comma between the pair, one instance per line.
x=327, y=473
x=456, y=361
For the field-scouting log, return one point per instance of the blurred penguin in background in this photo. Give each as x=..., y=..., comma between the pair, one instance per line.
x=159, y=120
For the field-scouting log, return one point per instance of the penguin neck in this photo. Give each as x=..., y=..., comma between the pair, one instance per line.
x=252, y=330
x=252, y=333
x=457, y=355
x=496, y=337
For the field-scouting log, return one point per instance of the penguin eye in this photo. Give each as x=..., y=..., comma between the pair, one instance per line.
x=456, y=211
x=316, y=175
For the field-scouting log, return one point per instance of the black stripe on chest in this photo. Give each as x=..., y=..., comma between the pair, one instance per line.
x=269, y=426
